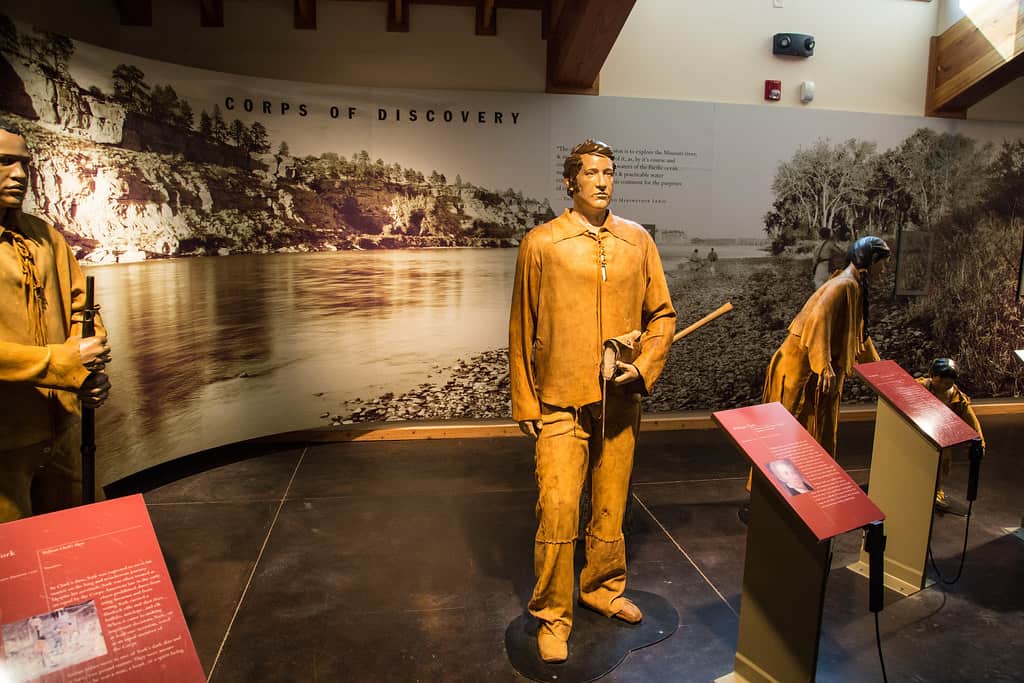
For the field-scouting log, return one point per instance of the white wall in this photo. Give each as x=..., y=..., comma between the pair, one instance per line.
x=949, y=14
x=871, y=55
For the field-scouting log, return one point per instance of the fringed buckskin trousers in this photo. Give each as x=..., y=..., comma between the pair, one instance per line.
x=568, y=447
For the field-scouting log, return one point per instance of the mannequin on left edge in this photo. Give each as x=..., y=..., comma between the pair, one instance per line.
x=46, y=367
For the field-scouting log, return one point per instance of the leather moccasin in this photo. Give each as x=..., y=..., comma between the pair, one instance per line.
x=552, y=649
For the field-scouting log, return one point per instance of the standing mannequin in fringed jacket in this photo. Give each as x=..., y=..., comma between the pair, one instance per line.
x=583, y=278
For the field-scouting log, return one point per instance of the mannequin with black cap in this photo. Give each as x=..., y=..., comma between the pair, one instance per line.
x=827, y=337
x=941, y=382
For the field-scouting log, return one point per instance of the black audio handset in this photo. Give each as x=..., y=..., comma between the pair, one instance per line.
x=874, y=544
x=975, y=455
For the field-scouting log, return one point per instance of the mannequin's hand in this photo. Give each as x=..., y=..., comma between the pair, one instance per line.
x=827, y=380
x=530, y=427
x=93, y=351
x=94, y=391
x=625, y=373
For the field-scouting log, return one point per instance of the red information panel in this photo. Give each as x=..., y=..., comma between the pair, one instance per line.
x=823, y=495
x=932, y=417
x=85, y=596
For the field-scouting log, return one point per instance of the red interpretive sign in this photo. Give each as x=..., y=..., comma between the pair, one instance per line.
x=820, y=492
x=932, y=417
x=85, y=597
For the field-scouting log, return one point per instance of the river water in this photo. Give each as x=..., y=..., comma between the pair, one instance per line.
x=209, y=351
x=213, y=350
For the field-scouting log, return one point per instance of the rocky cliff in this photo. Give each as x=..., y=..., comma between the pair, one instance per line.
x=56, y=100
x=124, y=185
x=115, y=203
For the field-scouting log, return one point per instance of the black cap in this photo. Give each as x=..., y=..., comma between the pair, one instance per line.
x=944, y=367
x=867, y=251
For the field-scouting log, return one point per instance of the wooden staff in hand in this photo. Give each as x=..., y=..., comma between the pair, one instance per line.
x=93, y=391
x=626, y=349
x=88, y=414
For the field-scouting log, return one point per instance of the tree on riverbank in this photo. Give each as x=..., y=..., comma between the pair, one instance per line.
x=967, y=196
x=822, y=183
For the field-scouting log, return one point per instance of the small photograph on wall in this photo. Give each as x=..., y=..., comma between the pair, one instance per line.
x=913, y=261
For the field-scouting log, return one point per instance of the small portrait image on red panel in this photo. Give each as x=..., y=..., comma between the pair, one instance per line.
x=789, y=475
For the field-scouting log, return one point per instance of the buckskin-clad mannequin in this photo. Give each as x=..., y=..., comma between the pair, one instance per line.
x=825, y=339
x=46, y=368
x=583, y=278
x=941, y=382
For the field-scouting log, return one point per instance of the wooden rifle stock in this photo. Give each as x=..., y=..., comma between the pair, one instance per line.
x=627, y=347
x=721, y=310
x=88, y=414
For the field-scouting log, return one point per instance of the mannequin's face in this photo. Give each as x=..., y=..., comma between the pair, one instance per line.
x=594, y=183
x=14, y=158
x=877, y=268
x=941, y=385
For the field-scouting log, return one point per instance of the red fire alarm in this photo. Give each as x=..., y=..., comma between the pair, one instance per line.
x=773, y=90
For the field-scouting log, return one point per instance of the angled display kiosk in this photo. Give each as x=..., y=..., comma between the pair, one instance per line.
x=800, y=499
x=912, y=427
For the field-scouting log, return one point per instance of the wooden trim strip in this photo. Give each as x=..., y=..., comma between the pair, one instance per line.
x=489, y=429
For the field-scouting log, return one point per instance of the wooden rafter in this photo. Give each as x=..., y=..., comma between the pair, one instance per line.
x=305, y=14
x=579, y=41
x=486, y=18
x=135, y=12
x=975, y=57
x=211, y=13
x=549, y=16
x=398, y=16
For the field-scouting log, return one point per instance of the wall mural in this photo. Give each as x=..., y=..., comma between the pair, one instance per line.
x=273, y=255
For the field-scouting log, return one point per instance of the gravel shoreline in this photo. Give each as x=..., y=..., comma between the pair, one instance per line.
x=720, y=366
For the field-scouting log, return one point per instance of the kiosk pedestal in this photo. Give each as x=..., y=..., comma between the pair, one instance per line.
x=800, y=498
x=912, y=428
x=784, y=578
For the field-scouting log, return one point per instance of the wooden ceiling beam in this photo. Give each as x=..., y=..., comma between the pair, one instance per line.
x=305, y=14
x=579, y=42
x=486, y=18
x=135, y=12
x=975, y=57
x=398, y=16
x=211, y=13
x=549, y=14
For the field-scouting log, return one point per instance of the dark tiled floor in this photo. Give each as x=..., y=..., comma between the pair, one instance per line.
x=405, y=561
